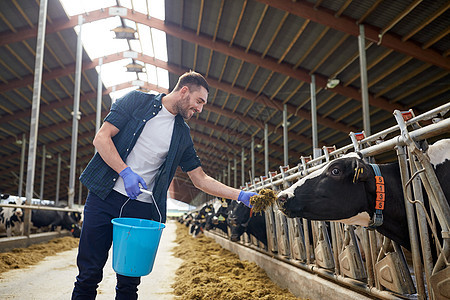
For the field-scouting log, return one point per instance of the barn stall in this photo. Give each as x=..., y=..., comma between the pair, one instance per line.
x=287, y=78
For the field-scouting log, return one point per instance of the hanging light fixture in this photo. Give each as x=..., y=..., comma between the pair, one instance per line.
x=332, y=83
x=124, y=32
x=135, y=67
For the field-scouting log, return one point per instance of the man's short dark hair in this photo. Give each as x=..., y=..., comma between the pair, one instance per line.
x=192, y=80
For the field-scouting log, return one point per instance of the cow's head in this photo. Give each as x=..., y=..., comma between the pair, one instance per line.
x=18, y=212
x=70, y=224
x=337, y=191
x=238, y=217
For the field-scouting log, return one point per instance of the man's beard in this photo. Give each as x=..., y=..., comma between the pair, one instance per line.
x=182, y=107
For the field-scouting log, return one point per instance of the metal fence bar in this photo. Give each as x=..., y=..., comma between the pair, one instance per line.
x=371, y=249
x=41, y=207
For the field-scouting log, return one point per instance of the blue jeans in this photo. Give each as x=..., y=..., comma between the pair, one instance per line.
x=96, y=240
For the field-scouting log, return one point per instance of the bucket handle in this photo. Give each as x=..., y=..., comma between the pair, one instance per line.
x=154, y=202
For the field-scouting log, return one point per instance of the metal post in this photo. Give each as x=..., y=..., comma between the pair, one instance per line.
x=224, y=175
x=80, y=189
x=229, y=173
x=253, y=157
x=235, y=172
x=242, y=167
x=285, y=136
x=41, y=191
x=99, y=96
x=315, y=135
x=266, y=149
x=427, y=257
x=364, y=88
x=410, y=216
x=76, y=105
x=58, y=179
x=22, y=164
x=34, y=122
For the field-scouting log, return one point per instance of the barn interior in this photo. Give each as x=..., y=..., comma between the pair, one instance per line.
x=260, y=58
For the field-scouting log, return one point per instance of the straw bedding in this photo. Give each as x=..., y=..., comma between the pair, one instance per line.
x=210, y=272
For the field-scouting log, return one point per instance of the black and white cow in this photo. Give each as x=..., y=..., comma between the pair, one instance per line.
x=336, y=193
x=11, y=218
x=241, y=219
x=200, y=220
x=219, y=218
x=52, y=218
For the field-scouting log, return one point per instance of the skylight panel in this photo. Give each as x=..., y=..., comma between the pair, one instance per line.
x=99, y=40
x=163, y=78
x=82, y=6
x=120, y=74
x=159, y=38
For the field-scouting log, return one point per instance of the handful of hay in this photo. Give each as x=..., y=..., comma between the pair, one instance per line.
x=262, y=201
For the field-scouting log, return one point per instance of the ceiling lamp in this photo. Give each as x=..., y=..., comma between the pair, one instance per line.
x=123, y=32
x=332, y=83
x=134, y=67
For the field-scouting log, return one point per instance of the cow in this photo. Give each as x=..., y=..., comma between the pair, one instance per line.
x=219, y=218
x=52, y=218
x=200, y=220
x=11, y=218
x=344, y=190
x=187, y=218
x=241, y=219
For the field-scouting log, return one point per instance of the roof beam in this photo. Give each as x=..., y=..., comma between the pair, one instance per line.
x=69, y=101
x=252, y=96
x=348, y=25
x=57, y=72
x=241, y=54
x=275, y=104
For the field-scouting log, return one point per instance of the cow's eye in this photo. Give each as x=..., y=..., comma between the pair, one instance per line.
x=335, y=172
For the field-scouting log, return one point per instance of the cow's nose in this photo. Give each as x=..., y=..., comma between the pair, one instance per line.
x=282, y=199
x=232, y=221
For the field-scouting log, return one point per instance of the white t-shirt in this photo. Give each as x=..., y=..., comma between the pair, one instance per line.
x=150, y=151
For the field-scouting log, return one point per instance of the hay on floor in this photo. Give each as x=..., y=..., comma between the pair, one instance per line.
x=210, y=272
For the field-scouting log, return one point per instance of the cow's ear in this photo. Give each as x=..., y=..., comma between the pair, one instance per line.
x=361, y=172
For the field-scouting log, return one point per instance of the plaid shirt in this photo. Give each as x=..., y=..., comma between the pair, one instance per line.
x=130, y=114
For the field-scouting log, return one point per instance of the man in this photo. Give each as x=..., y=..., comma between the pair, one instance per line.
x=141, y=143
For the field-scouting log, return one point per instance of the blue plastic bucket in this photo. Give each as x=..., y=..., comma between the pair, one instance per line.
x=135, y=243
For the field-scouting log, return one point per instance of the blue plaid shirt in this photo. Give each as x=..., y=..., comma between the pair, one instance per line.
x=130, y=114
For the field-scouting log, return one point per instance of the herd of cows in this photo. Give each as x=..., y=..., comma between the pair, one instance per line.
x=231, y=217
x=11, y=219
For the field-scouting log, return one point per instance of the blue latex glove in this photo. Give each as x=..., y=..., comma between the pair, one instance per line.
x=131, y=181
x=244, y=197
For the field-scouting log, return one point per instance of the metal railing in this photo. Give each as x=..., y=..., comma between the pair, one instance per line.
x=353, y=255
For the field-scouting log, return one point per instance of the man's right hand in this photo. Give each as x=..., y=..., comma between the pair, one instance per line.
x=131, y=181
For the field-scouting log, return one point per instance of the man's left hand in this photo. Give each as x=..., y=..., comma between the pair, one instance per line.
x=244, y=197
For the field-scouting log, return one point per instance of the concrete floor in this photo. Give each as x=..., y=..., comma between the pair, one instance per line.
x=53, y=278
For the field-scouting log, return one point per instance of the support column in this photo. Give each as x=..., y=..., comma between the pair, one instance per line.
x=242, y=167
x=34, y=122
x=99, y=96
x=224, y=175
x=80, y=188
x=22, y=165
x=253, y=157
x=285, y=136
x=76, y=117
x=229, y=173
x=41, y=191
x=266, y=149
x=364, y=87
x=235, y=173
x=58, y=179
x=315, y=136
